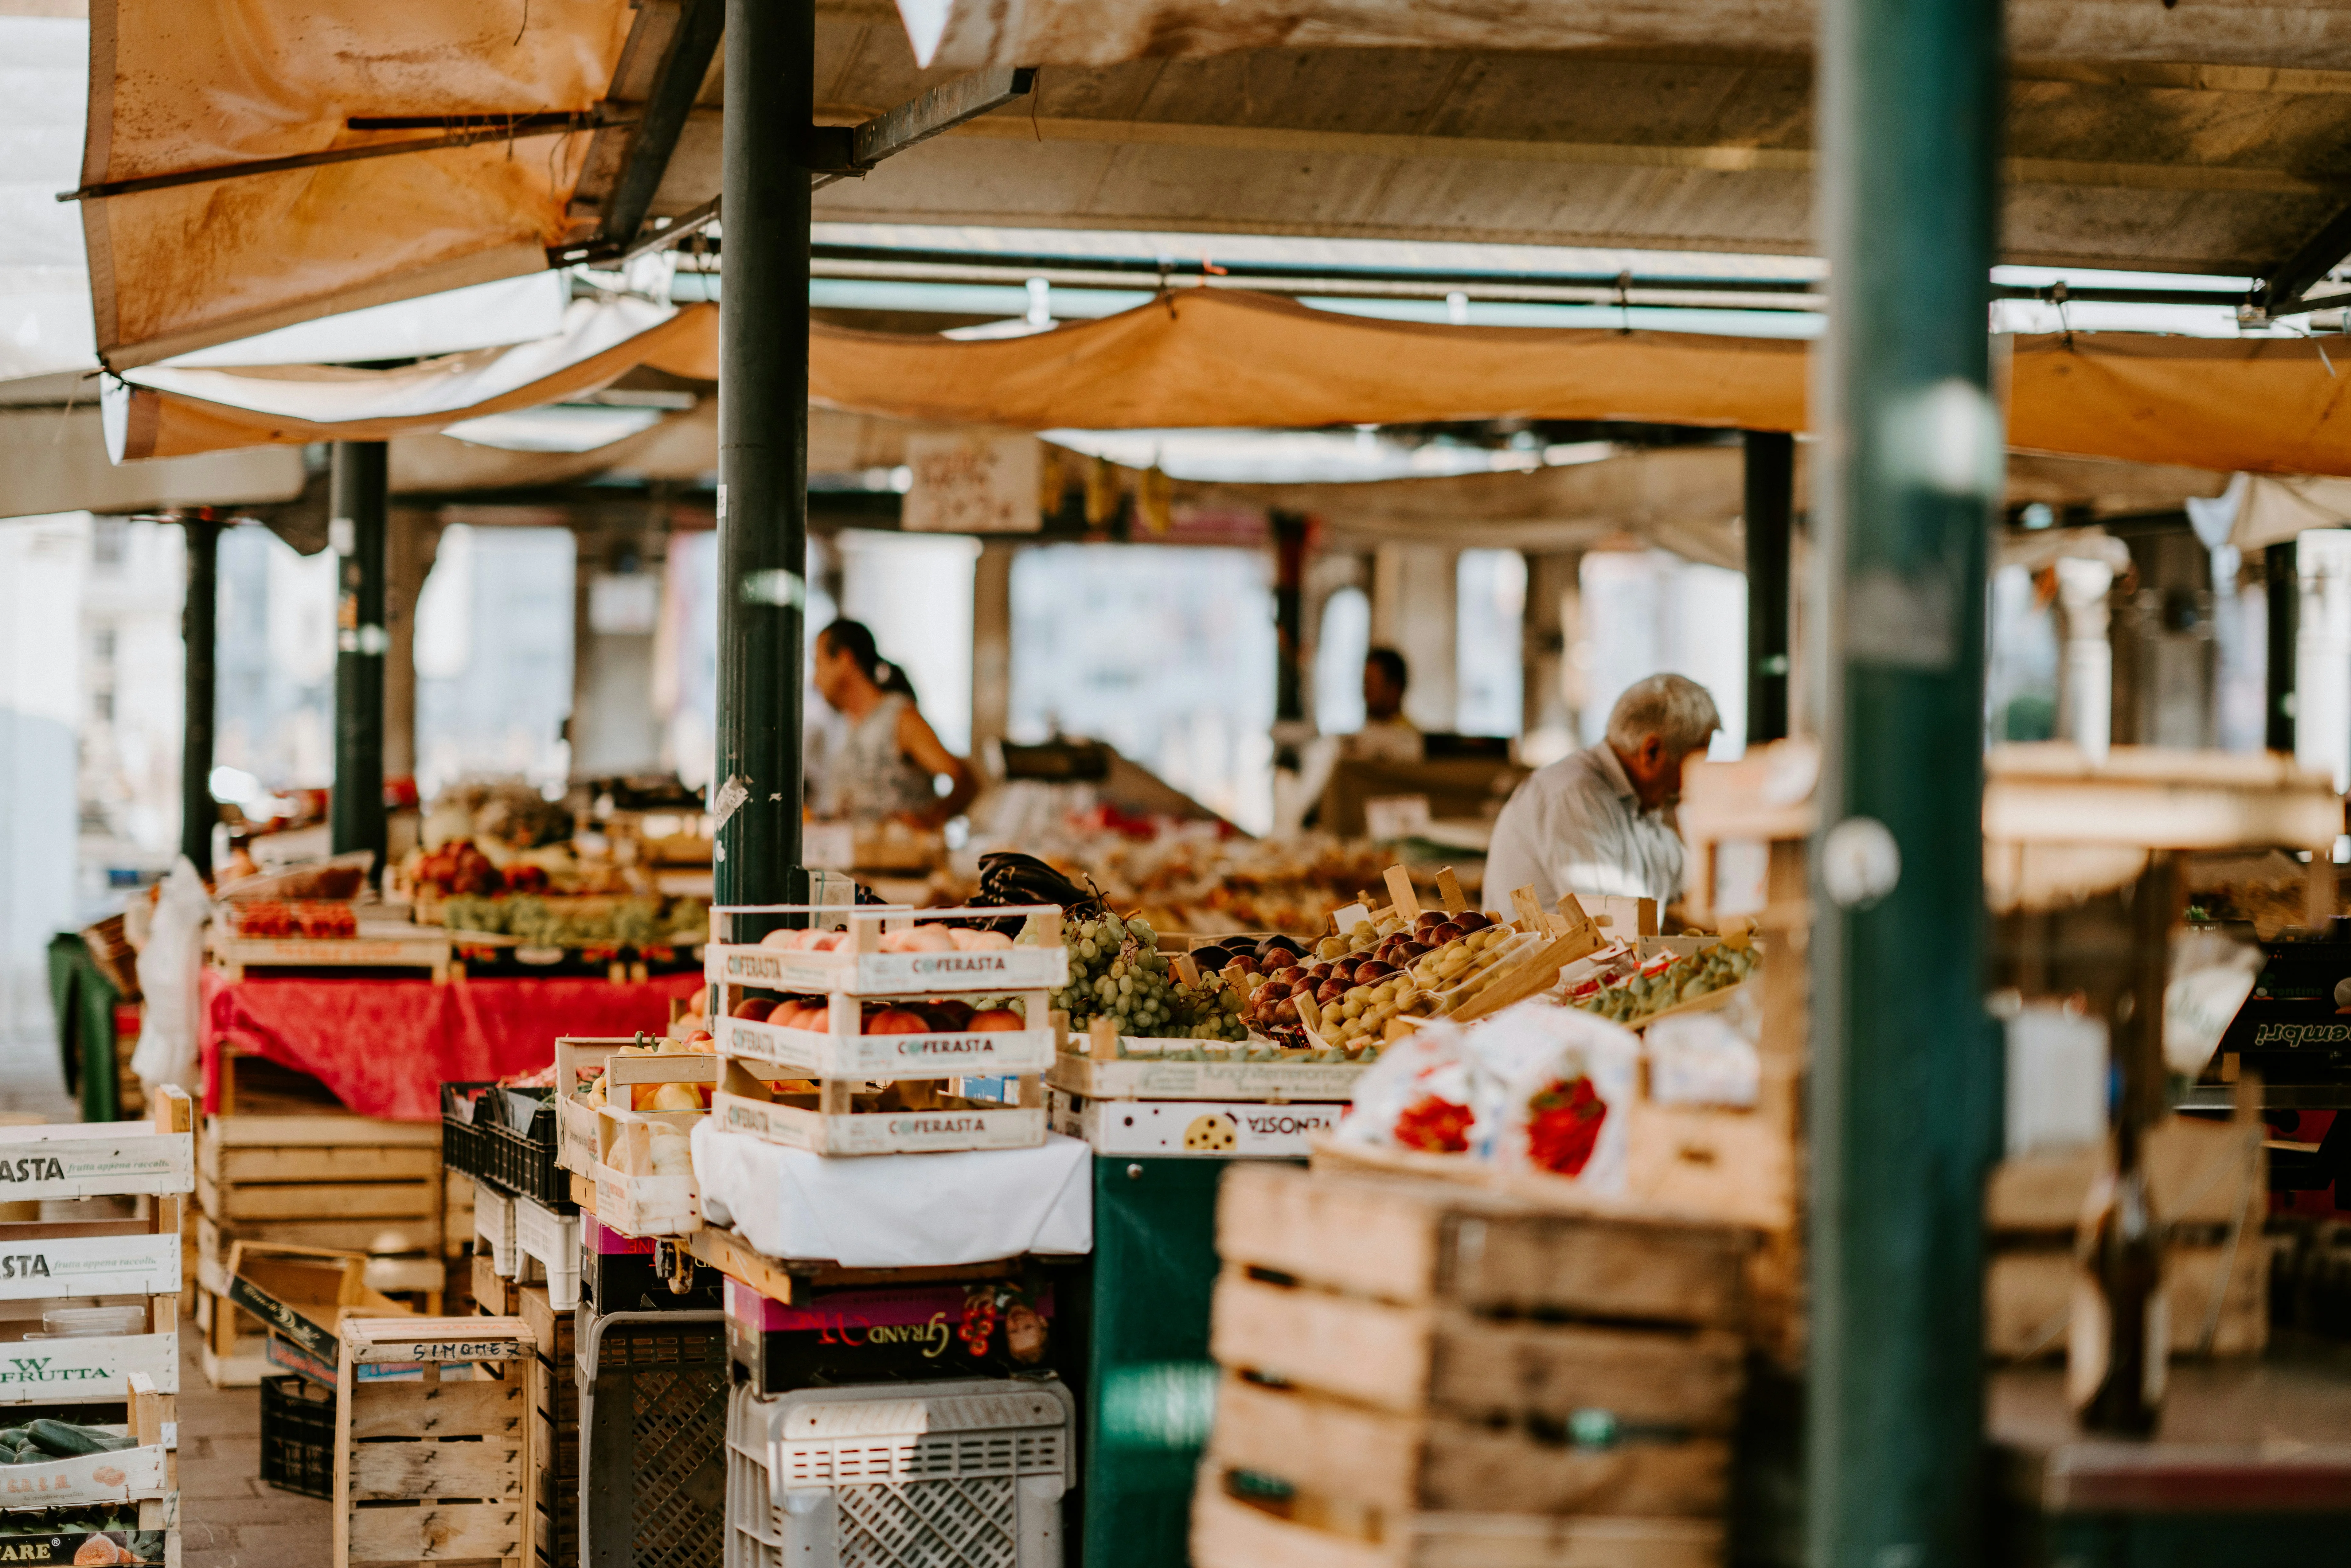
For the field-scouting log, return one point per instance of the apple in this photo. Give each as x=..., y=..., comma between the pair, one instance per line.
x=994, y=1020
x=897, y=1020
x=758, y=1010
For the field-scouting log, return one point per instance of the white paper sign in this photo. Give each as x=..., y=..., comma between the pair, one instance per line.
x=1391, y=816
x=830, y=845
x=972, y=483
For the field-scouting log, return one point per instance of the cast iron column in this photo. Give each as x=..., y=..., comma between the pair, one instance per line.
x=199, y=627
x=1906, y=1073
x=357, y=500
x=763, y=324
x=1770, y=513
x=2282, y=573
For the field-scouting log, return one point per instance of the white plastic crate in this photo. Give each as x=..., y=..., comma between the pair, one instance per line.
x=928, y=1475
x=494, y=1222
x=553, y=1240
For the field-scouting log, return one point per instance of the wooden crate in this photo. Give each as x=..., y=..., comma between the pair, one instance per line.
x=1303, y=1533
x=428, y=951
x=552, y=1383
x=828, y=1122
x=68, y=1262
x=1404, y=1358
x=862, y=969
x=2208, y=1181
x=1481, y=1249
x=431, y=1471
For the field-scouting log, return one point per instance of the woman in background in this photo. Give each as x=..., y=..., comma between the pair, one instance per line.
x=886, y=767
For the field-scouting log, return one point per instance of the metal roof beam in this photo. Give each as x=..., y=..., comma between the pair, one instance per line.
x=855, y=151
x=2284, y=290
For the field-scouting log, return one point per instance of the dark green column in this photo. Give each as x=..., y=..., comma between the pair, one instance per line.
x=2282, y=576
x=763, y=448
x=357, y=499
x=1769, y=518
x=1905, y=1072
x=199, y=628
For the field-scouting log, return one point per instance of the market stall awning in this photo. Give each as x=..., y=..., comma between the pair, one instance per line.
x=1106, y=32
x=165, y=411
x=183, y=88
x=1223, y=357
x=54, y=460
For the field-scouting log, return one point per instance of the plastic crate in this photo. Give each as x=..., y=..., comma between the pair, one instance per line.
x=520, y=1133
x=652, y=1439
x=297, y=1436
x=964, y=1474
x=465, y=1146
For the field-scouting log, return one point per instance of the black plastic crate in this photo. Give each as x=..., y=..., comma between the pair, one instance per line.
x=652, y=1439
x=297, y=1436
x=519, y=1131
x=464, y=1147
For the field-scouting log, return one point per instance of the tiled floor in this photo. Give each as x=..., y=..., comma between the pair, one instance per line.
x=228, y=1518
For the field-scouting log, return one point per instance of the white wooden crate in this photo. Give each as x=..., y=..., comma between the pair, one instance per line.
x=863, y=970
x=944, y=1131
x=841, y=1051
x=1213, y=1129
x=94, y=1159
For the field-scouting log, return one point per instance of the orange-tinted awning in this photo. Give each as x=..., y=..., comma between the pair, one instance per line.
x=1223, y=358
x=178, y=86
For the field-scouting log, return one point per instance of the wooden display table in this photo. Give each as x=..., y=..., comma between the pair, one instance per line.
x=2253, y=1468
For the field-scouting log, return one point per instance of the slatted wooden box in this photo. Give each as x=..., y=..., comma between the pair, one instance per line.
x=431, y=1471
x=1412, y=1363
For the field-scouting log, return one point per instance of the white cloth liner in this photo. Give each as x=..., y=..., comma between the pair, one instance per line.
x=900, y=1211
x=450, y=384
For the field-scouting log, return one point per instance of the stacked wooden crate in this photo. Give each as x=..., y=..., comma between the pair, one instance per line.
x=551, y=1415
x=99, y=1256
x=431, y=1470
x=1417, y=1373
x=2210, y=1187
x=293, y=1166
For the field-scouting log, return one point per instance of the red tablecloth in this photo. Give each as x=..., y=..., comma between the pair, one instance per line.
x=385, y=1047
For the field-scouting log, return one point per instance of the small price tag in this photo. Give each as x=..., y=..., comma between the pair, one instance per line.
x=829, y=846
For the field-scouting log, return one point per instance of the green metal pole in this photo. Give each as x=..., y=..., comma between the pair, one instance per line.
x=199, y=624
x=763, y=448
x=1905, y=1072
x=358, y=497
x=1767, y=518
x=2282, y=576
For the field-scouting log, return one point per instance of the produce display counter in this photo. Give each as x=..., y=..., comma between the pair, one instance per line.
x=384, y=1047
x=2251, y=1467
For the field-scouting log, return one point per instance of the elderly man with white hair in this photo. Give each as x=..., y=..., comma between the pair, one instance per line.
x=1601, y=821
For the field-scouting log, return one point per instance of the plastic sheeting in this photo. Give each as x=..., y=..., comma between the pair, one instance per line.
x=178, y=86
x=167, y=410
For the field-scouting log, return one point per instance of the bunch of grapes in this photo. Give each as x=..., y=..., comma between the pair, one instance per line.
x=1212, y=1009
x=1117, y=971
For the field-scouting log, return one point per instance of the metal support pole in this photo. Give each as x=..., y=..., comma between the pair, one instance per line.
x=1769, y=515
x=358, y=497
x=2282, y=576
x=1906, y=1075
x=1289, y=616
x=763, y=449
x=199, y=627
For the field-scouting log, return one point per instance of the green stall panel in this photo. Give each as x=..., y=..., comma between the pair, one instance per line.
x=1150, y=1387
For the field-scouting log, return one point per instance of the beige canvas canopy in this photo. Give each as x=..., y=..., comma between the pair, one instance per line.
x=1679, y=124
x=1220, y=358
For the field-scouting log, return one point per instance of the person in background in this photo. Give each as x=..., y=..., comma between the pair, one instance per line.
x=1602, y=821
x=886, y=767
x=1386, y=735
